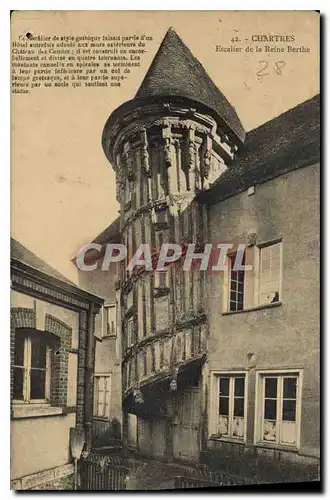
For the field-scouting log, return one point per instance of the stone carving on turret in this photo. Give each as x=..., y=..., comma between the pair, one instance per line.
x=166, y=133
x=128, y=162
x=145, y=152
x=207, y=162
x=145, y=162
x=120, y=182
x=191, y=158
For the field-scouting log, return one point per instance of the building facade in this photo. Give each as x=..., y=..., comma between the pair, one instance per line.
x=107, y=407
x=52, y=367
x=215, y=365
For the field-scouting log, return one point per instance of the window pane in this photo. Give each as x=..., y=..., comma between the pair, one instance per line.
x=240, y=276
x=101, y=397
x=270, y=274
x=289, y=388
x=239, y=407
x=19, y=349
x=236, y=302
x=224, y=386
x=145, y=368
x=270, y=387
x=265, y=265
x=107, y=380
x=224, y=406
x=289, y=410
x=18, y=383
x=162, y=279
x=153, y=355
x=38, y=353
x=223, y=425
x=239, y=386
x=269, y=431
x=101, y=384
x=37, y=380
x=270, y=409
x=288, y=433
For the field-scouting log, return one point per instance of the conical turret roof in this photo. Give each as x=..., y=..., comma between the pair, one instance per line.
x=174, y=71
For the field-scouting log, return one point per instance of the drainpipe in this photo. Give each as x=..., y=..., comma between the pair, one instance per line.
x=89, y=380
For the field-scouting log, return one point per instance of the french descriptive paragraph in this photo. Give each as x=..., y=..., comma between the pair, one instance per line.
x=40, y=61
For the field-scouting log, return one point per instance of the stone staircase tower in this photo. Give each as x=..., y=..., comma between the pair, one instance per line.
x=174, y=139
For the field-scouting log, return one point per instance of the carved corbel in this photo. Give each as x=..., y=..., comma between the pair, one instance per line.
x=174, y=379
x=138, y=396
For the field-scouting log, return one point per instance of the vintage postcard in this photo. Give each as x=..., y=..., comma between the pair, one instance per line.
x=165, y=262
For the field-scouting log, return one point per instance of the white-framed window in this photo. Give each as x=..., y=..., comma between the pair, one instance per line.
x=31, y=368
x=236, y=284
x=101, y=396
x=110, y=320
x=278, y=408
x=161, y=216
x=270, y=273
x=161, y=279
x=231, y=406
x=130, y=332
x=228, y=405
x=160, y=185
x=259, y=284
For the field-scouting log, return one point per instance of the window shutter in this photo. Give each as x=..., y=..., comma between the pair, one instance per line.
x=270, y=272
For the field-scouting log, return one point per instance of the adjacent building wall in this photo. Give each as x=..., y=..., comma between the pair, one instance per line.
x=107, y=349
x=42, y=442
x=281, y=337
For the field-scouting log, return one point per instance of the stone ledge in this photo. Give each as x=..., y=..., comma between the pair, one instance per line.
x=250, y=309
x=45, y=476
x=31, y=411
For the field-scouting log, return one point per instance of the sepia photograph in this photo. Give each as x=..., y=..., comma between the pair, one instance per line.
x=165, y=250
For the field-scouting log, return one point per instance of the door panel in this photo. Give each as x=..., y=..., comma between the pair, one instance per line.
x=144, y=436
x=186, y=428
x=158, y=438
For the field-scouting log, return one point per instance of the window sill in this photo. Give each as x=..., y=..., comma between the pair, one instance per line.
x=258, y=308
x=161, y=292
x=277, y=447
x=109, y=336
x=132, y=447
x=31, y=411
x=225, y=439
x=102, y=419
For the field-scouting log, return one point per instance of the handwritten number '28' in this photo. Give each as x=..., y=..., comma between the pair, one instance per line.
x=279, y=65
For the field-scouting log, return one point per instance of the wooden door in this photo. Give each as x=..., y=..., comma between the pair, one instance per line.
x=158, y=438
x=186, y=425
